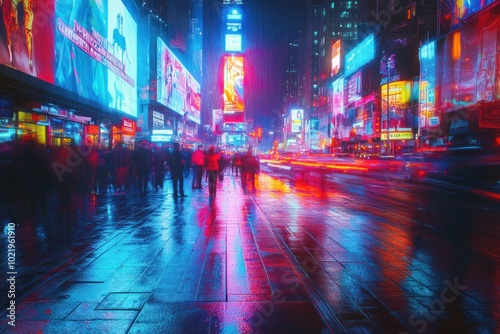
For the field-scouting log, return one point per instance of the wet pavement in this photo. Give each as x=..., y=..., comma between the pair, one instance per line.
x=345, y=255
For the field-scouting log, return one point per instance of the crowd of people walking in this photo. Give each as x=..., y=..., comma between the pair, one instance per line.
x=32, y=174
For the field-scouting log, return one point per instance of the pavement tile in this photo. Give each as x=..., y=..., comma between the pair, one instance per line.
x=89, y=312
x=123, y=301
x=108, y=326
x=47, y=311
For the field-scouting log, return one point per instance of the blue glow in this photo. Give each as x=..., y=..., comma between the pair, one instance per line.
x=360, y=55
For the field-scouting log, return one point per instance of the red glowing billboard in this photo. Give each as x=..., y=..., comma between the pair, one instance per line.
x=27, y=41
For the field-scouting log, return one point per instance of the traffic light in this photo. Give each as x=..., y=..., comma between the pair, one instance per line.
x=259, y=134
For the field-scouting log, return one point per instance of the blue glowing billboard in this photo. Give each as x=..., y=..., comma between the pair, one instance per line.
x=177, y=88
x=362, y=54
x=96, y=52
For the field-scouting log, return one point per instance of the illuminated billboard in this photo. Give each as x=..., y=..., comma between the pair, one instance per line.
x=122, y=67
x=233, y=84
x=463, y=9
x=233, y=14
x=360, y=55
x=336, y=57
x=233, y=43
x=96, y=52
x=177, y=88
x=27, y=42
x=338, y=97
x=296, y=115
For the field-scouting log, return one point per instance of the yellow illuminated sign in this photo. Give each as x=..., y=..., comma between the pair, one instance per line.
x=399, y=92
x=396, y=135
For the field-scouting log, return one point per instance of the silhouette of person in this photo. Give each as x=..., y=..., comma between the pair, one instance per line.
x=176, y=163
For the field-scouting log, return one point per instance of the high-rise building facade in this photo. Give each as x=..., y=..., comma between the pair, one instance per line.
x=329, y=21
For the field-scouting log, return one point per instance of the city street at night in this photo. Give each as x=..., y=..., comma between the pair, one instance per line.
x=338, y=254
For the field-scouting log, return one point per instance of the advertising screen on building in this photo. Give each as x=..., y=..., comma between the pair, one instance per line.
x=122, y=67
x=233, y=84
x=177, y=88
x=360, y=55
x=233, y=14
x=338, y=97
x=233, y=43
x=27, y=37
x=336, y=57
x=463, y=9
x=95, y=42
x=296, y=115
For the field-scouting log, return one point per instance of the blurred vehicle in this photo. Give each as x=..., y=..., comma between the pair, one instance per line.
x=382, y=164
x=413, y=168
x=468, y=165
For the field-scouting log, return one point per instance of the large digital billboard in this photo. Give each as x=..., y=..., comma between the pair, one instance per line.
x=122, y=68
x=27, y=37
x=338, y=97
x=233, y=43
x=360, y=55
x=233, y=84
x=336, y=48
x=96, y=52
x=177, y=88
x=296, y=115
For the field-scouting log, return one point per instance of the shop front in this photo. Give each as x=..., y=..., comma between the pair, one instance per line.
x=124, y=133
x=32, y=125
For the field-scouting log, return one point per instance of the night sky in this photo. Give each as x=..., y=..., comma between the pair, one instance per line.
x=270, y=26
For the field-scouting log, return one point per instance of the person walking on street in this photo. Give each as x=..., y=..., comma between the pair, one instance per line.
x=248, y=166
x=212, y=167
x=197, y=160
x=142, y=160
x=121, y=161
x=176, y=163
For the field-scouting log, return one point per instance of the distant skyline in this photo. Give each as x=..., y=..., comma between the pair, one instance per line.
x=268, y=27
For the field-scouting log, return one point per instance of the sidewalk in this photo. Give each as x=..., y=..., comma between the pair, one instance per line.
x=158, y=265
x=290, y=257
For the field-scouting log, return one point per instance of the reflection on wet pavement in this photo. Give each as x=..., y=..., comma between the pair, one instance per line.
x=294, y=256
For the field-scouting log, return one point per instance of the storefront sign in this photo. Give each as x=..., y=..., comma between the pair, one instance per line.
x=162, y=132
x=128, y=127
x=160, y=138
x=396, y=135
x=93, y=130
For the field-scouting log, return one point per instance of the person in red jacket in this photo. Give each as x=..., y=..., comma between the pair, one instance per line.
x=197, y=160
x=212, y=167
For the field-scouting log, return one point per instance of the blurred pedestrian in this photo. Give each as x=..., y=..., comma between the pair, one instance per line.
x=121, y=162
x=248, y=167
x=197, y=160
x=176, y=163
x=142, y=161
x=212, y=167
x=186, y=155
x=159, y=160
x=236, y=163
